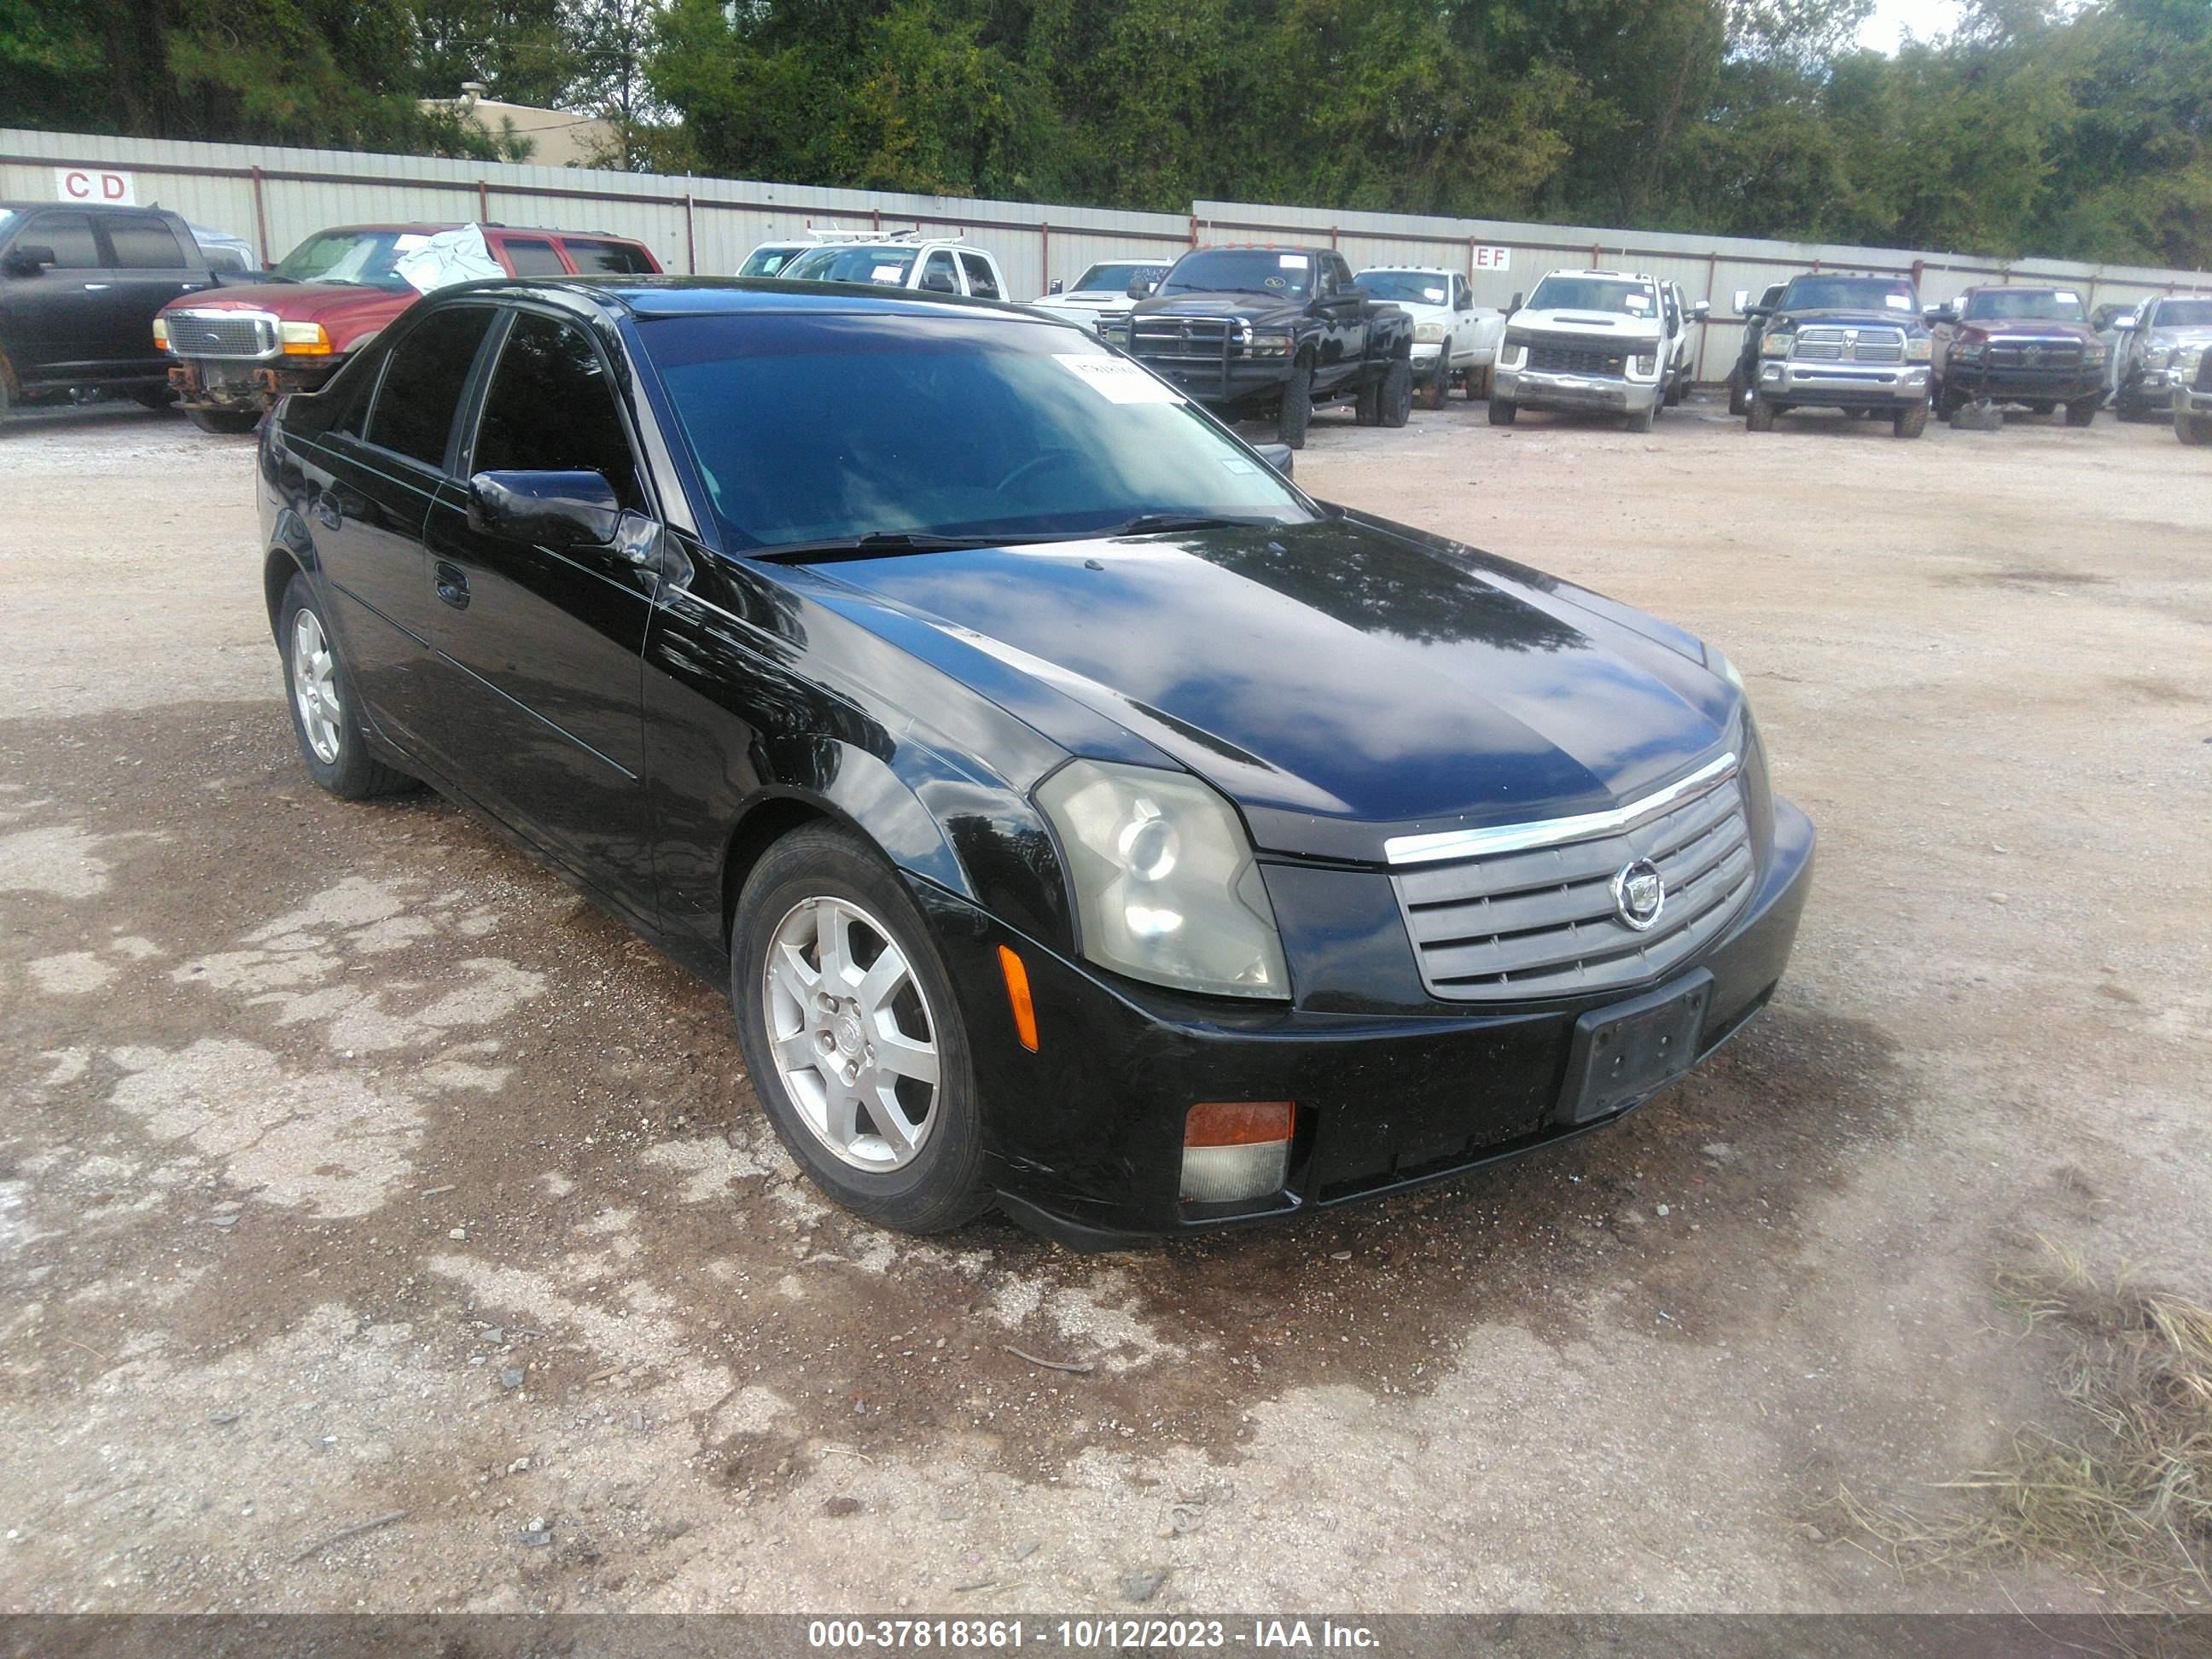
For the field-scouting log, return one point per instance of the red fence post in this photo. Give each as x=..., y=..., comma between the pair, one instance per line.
x=261, y=218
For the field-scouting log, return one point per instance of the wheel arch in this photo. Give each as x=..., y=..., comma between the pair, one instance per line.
x=290, y=553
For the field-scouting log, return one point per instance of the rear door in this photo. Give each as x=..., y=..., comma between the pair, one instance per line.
x=147, y=266
x=541, y=650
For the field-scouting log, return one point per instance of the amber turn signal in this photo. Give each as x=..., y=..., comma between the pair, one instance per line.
x=1018, y=998
x=1239, y=1123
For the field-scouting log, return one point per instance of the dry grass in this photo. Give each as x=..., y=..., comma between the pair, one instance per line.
x=2124, y=1495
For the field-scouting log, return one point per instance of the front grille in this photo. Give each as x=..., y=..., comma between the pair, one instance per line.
x=221, y=334
x=1187, y=340
x=2035, y=354
x=1848, y=345
x=1541, y=921
x=1573, y=354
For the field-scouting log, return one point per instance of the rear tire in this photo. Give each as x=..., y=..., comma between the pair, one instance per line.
x=1398, y=392
x=229, y=422
x=2083, y=412
x=1910, y=422
x=1297, y=411
x=1739, y=399
x=1475, y=383
x=831, y=872
x=315, y=680
x=1759, y=417
x=1502, y=410
x=1367, y=403
x=1434, y=389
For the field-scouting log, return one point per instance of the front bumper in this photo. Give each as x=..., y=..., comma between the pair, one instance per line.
x=1841, y=384
x=245, y=383
x=2193, y=400
x=1538, y=389
x=1233, y=381
x=1085, y=1135
x=2067, y=385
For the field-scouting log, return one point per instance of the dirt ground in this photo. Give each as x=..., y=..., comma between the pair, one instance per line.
x=351, y=1164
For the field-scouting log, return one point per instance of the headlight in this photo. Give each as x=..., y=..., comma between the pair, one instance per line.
x=2186, y=364
x=304, y=339
x=1966, y=351
x=1774, y=345
x=1166, y=887
x=2093, y=354
x=1644, y=364
x=1428, y=333
x=1920, y=350
x=2158, y=357
x=161, y=335
x=1269, y=342
x=1718, y=662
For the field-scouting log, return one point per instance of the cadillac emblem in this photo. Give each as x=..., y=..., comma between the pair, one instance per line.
x=1639, y=894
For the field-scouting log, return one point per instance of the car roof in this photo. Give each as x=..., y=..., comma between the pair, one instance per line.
x=433, y=228
x=1418, y=270
x=84, y=207
x=649, y=297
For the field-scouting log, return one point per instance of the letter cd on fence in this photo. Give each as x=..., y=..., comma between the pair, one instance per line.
x=95, y=184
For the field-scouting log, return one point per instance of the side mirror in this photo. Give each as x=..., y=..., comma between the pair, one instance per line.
x=2128, y=322
x=939, y=281
x=1942, y=313
x=1355, y=292
x=1140, y=290
x=1276, y=455
x=30, y=259
x=1514, y=304
x=1700, y=311
x=550, y=509
x=1058, y=287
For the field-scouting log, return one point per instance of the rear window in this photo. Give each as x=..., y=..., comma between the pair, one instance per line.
x=421, y=387
x=607, y=258
x=526, y=256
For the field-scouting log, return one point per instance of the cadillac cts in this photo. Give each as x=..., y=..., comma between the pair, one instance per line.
x=1084, y=820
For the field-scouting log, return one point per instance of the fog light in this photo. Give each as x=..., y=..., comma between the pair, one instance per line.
x=1236, y=1149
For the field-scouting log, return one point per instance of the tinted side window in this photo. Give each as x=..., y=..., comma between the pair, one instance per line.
x=526, y=256
x=617, y=259
x=142, y=242
x=423, y=381
x=551, y=410
x=980, y=282
x=69, y=234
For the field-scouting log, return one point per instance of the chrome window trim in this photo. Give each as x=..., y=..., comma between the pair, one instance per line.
x=1554, y=832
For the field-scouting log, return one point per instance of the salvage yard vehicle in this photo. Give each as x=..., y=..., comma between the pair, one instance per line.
x=1103, y=290
x=237, y=352
x=79, y=289
x=940, y=266
x=1838, y=341
x=2164, y=327
x=1587, y=343
x=1745, y=367
x=1084, y=820
x=1454, y=342
x=1682, y=315
x=1261, y=331
x=2192, y=395
x=2018, y=345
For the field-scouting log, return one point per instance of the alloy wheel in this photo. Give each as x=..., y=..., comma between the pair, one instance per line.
x=854, y=1040
x=315, y=687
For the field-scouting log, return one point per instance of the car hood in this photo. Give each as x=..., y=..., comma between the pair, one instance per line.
x=1342, y=681
x=2031, y=328
x=1607, y=324
x=347, y=310
x=1856, y=318
x=1252, y=306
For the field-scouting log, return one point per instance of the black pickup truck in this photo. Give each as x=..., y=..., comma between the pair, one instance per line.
x=1254, y=332
x=79, y=289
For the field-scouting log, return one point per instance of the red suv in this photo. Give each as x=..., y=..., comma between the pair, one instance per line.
x=239, y=350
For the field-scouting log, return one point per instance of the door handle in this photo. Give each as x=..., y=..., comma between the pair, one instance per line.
x=97, y=288
x=326, y=511
x=453, y=584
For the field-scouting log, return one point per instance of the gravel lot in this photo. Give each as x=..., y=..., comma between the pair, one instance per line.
x=351, y=1164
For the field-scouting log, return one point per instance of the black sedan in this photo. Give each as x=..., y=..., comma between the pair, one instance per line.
x=1086, y=821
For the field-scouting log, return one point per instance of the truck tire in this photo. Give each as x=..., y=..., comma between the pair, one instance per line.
x=1367, y=403
x=1397, y=392
x=1475, y=383
x=1739, y=399
x=231, y=422
x=1642, y=419
x=1435, y=390
x=1759, y=417
x=1297, y=411
x=1910, y=422
x=2192, y=429
x=2082, y=410
x=1502, y=410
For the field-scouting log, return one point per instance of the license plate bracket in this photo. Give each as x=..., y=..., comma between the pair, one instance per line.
x=1627, y=1051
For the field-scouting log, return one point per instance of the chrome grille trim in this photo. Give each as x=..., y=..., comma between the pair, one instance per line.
x=1538, y=918
x=1835, y=344
x=1551, y=832
x=1182, y=339
x=239, y=334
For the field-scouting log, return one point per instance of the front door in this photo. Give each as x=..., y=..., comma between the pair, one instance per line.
x=60, y=321
x=541, y=650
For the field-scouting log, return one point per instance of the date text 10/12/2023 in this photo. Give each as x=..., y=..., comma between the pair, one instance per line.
x=1092, y=1635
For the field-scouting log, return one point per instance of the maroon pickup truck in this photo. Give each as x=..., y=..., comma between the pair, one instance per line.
x=2019, y=345
x=238, y=350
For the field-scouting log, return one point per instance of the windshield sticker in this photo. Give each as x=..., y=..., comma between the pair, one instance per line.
x=1898, y=301
x=1117, y=379
x=1434, y=296
x=886, y=273
x=1638, y=302
x=1237, y=464
x=2066, y=296
x=1294, y=262
x=408, y=243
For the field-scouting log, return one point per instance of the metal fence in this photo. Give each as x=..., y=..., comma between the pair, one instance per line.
x=276, y=196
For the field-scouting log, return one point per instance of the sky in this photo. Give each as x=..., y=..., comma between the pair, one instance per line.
x=1891, y=18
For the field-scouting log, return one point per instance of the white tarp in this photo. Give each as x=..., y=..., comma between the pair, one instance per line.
x=450, y=256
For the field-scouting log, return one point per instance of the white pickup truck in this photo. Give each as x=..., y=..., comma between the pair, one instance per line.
x=939, y=266
x=1452, y=339
x=1597, y=342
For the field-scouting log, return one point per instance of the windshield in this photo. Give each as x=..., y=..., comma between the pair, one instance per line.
x=1115, y=279
x=1416, y=288
x=1630, y=298
x=853, y=265
x=767, y=261
x=366, y=257
x=807, y=428
x=2183, y=313
x=1850, y=294
x=2044, y=305
x=1241, y=270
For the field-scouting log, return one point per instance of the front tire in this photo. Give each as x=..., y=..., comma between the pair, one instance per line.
x=1910, y=422
x=1759, y=417
x=324, y=711
x=2192, y=429
x=849, y=1025
x=1297, y=411
x=1739, y=398
x=1502, y=410
x=2083, y=412
x=1642, y=419
x=228, y=422
x=1397, y=393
